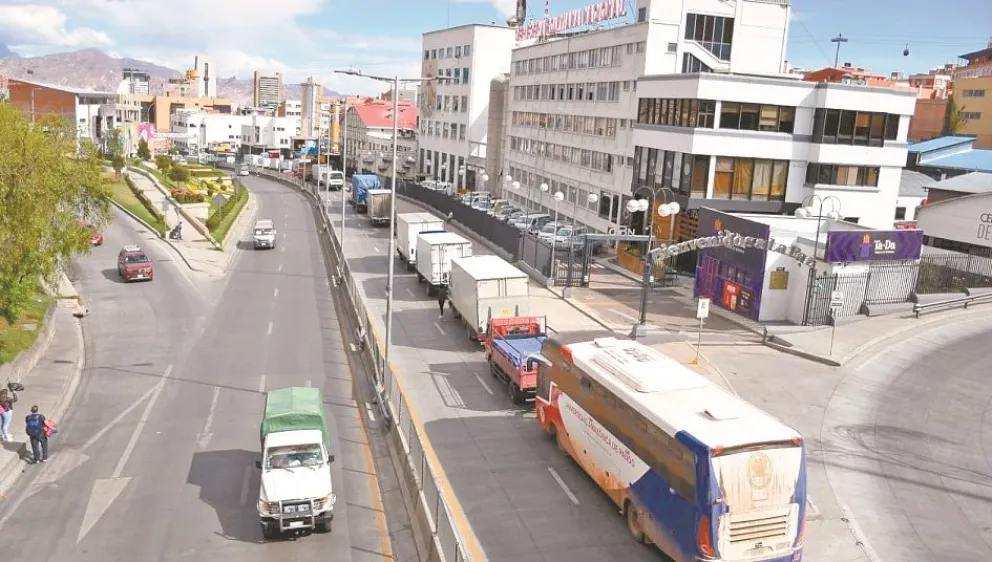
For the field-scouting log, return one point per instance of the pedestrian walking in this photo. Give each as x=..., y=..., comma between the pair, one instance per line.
x=7, y=399
x=34, y=427
x=442, y=295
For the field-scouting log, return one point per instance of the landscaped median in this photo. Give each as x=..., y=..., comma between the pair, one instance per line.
x=19, y=333
x=128, y=196
x=223, y=217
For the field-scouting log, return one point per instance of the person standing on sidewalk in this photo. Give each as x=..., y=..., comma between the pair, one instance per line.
x=34, y=427
x=7, y=399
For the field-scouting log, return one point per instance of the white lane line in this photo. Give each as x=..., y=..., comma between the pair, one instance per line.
x=269, y=331
x=245, y=483
x=275, y=293
x=376, y=248
x=279, y=269
x=308, y=383
x=99, y=434
x=571, y=496
x=484, y=385
x=205, y=435
x=409, y=292
x=622, y=315
x=282, y=248
x=119, y=469
x=368, y=410
x=261, y=384
x=440, y=329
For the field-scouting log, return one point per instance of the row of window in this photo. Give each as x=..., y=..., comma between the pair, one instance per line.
x=574, y=194
x=456, y=75
x=598, y=126
x=592, y=159
x=971, y=115
x=685, y=173
x=676, y=112
x=713, y=33
x=582, y=91
x=751, y=179
x=448, y=52
x=602, y=57
x=452, y=103
x=832, y=174
x=441, y=129
x=973, y=93
x=692, y=65
x=861, y=128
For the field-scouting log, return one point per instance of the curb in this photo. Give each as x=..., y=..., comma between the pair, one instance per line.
x=26, y=360
x=160, y=237
x=196, y=223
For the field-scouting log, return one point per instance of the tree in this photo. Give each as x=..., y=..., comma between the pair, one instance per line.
x=163, y=162
x=49, y=187
x=953, y=119
x=115, y=152
x=178, y=173
x=143, y=151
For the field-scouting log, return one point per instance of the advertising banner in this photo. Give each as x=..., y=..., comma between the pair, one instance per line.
x=846, y=246
x=712, y=222
x=731, y=275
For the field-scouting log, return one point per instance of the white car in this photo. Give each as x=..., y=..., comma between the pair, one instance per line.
x=548, y=232
x=243, y=172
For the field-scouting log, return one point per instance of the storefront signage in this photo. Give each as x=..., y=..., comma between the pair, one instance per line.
x=847, y=246
x=581, y=17
x=984, y=228
x=734, y=241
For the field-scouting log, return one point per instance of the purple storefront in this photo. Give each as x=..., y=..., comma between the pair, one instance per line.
x=731, y=277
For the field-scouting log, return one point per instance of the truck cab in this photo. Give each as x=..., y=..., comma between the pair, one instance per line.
x=510, y=342
x=296, y=492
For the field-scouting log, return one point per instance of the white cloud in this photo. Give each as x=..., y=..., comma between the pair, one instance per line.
x=504, y=7
x=32, y=25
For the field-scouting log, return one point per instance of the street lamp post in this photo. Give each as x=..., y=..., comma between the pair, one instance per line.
x=664, y=210
x=344, y=172
x=558, y=197
x=805, y=211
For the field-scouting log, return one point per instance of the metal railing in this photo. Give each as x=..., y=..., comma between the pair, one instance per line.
x=964, y=301
x=393, y=404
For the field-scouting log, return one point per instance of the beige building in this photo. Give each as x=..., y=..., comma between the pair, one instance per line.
x=973, y=100
x=267, y=90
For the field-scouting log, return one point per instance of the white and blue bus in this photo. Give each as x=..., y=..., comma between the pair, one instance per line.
x=696, y=471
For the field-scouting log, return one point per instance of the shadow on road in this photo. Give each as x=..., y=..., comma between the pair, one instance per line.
x=113, y=275
x=229, y=483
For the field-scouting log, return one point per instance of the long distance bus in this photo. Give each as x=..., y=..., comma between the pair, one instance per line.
x=695, y=470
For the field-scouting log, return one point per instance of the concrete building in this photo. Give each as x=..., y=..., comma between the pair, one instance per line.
x=973, y=102
x=850, y=74
x=310, y=125
x=370, y=137
x=290, y=108
x=499, y=107
x=957, y=218
x=947, y=157
x=749, y=144
x=204, y=78
x=574, y=99
x=267, y=90
x=79, y=106
x=135, y=82
x=158, y=110
x=458, y=65
x=263, y=133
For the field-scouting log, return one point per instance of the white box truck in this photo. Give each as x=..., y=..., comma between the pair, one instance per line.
x=485, y=287
x=378, y=203
x=434, y=253
x=408, y=226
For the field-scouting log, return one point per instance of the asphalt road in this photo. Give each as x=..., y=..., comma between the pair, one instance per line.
x=522, y=497
x=156, y=459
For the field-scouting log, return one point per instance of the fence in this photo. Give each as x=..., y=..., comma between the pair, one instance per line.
x=953, y=273
x=448, y=546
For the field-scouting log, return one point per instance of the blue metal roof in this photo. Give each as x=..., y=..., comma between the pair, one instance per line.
x=973, y=160
x=938, y=143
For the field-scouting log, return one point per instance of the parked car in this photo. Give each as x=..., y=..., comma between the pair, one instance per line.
x=134, y=265
x=536, y=221
x=548, y=232
x=571, y=238
x=513, y=214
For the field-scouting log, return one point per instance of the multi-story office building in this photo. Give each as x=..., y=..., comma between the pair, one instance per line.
x=370, y=137
x=573, y=97
x=134, y=82
x=458, y=65
x=267, y=90
x=264, y=133
x=205, y=130
x=765, y=145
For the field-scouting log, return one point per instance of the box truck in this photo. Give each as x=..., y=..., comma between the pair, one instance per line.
x=379, y=205
x=485, y=287
x=360, y=185
x=408, y=226
x=434, y=253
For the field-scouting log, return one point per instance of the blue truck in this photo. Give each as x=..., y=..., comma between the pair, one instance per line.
x=510, y=341
x=360, y=186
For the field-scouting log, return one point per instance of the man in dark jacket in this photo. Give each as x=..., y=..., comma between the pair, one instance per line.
x=34, y=427
x=442, y=296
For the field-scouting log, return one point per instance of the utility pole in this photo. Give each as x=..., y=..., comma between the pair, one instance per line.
x=839, y=39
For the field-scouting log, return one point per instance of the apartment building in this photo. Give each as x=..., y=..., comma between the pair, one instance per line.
x=264, y=133
x=573, y=100
x=370, y=137
x=79, y=106
x=973, y=102
x=196, y=130
x=267, y=90
x=458, y=65
x=748, y=144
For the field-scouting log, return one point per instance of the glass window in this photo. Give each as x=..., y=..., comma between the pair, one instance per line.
x=685, y=109
x=877, y=129
x=676, y=171
x=677, y=113
x=831, y=125
x=723, y=179
x=707, y=110
x=768, y=119
x=643, y=107
x=686, y=173
x=730, y=115
x=845, y=132
x=762, y=180
x=653, y=169
x=780, y=175
x=693, y=113
x=847, y=175
x=891, y=127
x=700, y=175
x=862, y=124
x=467, y=50
x=669, y=164
x=743, y=176
x=786, y=119
x=749, y=117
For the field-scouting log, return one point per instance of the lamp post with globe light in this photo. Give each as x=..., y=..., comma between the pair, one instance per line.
x=558, y=197
x=664, y=210
x=806, y=211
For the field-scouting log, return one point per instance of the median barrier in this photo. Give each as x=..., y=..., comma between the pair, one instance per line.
x=441, y=530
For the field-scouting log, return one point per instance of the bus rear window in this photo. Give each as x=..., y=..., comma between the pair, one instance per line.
x=720, y=451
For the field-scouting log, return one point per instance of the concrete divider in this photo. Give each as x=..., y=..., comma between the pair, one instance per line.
x=440, y=528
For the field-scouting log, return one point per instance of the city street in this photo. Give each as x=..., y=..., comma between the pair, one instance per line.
x=155, y=460
x=522, y=497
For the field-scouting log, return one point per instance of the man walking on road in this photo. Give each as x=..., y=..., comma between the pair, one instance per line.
x=442, y=295
x=35, y=429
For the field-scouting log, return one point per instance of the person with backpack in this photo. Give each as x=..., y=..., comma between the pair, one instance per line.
x=7, y=399
x=34, y=427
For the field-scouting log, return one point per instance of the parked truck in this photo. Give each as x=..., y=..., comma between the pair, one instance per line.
x=485, y=287
x=296, y=493
x=360, y=186
x=408, y=226
x=378, y=203
x=434, y=253
x=510, y=342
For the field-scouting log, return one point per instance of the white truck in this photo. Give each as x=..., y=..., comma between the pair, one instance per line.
x=332, y=179
x=485, y=287
x=408, y=226
x=378, y=203
x=264, y=234
x=434, y=253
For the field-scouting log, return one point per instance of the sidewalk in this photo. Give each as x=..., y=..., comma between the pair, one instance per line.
x=50, y=386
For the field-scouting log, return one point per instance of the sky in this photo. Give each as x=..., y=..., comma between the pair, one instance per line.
x=383, y=37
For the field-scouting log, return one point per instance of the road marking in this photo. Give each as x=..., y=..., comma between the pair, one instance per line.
x=99, y=434
x=119, y=469
x=308, y=384
x=275, y=292
x=484, y=385
x=205, y=435
x=409, y=292
x=622, y=315
x=245, y=483
x=368, y=411
x=376, y=248
x=859, y=536
x=571, y=496
x=282, y=248
x=440, y=329
x=261, y=384
x=269, y=331
x=279, y=269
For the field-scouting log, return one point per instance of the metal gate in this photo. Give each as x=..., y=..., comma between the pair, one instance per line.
x=572, y=267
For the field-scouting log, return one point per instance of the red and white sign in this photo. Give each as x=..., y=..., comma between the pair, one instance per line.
x=582, y=17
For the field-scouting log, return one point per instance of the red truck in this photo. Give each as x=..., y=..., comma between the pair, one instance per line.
x=509, y=342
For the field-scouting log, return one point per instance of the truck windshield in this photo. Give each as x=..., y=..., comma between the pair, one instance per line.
x=294, y=456
x=263, y=231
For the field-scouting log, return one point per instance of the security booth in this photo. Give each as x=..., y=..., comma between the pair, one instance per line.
x=775, y=269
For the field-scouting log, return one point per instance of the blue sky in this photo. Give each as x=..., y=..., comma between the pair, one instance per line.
x=304, y=37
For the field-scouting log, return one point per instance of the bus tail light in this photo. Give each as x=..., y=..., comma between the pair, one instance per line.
x=703, y=540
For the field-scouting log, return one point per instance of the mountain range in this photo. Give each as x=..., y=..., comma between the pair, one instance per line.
x=94, y=69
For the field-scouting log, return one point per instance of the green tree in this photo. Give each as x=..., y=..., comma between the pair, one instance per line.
x=178, y=173
x=952, y=117
x=49, y=187
x=163, y=162
x=143, y=151
x=115, y=152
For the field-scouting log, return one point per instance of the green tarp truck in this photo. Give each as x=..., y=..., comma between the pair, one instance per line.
x=296, y=492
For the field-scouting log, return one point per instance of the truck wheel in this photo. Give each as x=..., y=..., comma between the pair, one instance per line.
x=514, y=392
x=324, y=527
x=269, y=531
x=634, y=522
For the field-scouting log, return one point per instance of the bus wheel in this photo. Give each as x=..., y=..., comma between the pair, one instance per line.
x=634, y=522
x=561, y=444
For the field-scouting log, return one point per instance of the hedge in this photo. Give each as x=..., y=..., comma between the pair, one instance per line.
x=155, y=212
x=232, y=205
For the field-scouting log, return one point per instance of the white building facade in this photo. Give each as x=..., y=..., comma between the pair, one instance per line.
x=264, y=132
x=204, y=130
x=458, y=65
x=573, y=100
x=750, y=144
